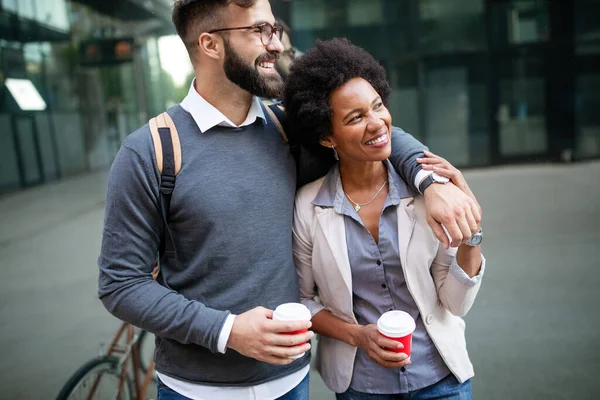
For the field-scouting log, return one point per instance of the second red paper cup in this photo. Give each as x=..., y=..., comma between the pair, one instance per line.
x=398, y=326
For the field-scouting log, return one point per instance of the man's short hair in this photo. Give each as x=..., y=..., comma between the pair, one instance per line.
x=193, y=17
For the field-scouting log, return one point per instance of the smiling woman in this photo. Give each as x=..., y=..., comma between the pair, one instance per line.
x=308, y=90
x=352, y=247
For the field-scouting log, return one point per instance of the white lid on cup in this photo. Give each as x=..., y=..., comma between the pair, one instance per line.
x=396, y=324
x=291, y=312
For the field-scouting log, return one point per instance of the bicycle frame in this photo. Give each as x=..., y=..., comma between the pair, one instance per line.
x=125, y=345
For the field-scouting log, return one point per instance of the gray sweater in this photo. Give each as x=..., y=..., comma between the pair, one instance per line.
x=231, y=219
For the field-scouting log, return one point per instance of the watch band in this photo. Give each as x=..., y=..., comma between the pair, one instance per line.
x=432, y=178
x=425, y=183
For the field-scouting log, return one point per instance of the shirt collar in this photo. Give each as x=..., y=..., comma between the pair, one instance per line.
x=332, y=194
x=207, y=116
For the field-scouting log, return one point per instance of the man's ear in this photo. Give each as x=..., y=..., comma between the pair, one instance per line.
x=211, y=45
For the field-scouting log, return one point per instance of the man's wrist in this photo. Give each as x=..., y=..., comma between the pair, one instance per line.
x=225, y=333
x=421, y=175
x=430, y=180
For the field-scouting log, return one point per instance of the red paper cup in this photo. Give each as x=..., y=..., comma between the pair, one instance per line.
x=292, y=312
x=398, y=326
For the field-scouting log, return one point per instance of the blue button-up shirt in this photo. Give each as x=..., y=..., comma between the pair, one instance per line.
x=378, y=286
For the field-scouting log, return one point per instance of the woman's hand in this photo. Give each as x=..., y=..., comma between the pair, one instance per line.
x=441, y=166
x=376, y=347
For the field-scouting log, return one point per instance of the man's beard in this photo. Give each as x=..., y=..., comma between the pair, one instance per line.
x=247, y=76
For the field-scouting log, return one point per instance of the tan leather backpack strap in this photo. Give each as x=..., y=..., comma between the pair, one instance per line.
x=157, y=144
x=276, y=121
x=164, y=120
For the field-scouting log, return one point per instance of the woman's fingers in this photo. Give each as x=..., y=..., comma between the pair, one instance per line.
x=431, y=159
x=432, y=155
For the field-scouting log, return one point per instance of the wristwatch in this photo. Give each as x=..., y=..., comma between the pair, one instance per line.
x=476, y=239
x=432, y=178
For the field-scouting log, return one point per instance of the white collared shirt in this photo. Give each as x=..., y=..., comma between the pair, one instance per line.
x=206, y=117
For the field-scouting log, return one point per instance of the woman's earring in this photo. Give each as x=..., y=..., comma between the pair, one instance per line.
x=335, y=154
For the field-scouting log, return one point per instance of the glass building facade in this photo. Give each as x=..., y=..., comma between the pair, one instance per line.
x=87, y=108
x=482, y=82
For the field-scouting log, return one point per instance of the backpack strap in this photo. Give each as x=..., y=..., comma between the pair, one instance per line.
x=167, y=150
x=277, y=114
x=272, y=110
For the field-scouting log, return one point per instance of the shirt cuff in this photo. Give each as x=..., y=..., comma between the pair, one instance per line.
x=422, y=174
x=225, y=332
x=462, y=277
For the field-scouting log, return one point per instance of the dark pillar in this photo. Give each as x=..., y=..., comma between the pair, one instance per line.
x=560, y=80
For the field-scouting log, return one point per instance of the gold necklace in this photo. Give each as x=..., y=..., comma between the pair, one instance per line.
x=357, y=206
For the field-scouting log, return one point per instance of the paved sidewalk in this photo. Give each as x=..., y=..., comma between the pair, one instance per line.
x=532, y=334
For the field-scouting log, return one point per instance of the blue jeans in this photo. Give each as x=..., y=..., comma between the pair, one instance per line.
x=300, y=392
x=448, y=389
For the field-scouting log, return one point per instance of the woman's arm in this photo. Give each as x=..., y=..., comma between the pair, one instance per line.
x=469, y=259
x=458, y=284
x=457, y=273
x=366, y=337
x=326, y=324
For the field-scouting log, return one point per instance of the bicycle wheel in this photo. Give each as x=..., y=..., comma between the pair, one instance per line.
x=98, y=379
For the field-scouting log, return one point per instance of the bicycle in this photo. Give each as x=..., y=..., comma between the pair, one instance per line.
x=110, y=376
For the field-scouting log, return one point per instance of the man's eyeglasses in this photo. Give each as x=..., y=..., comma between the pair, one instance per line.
x=266, y=31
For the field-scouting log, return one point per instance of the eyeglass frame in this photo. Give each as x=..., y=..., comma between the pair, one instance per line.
x=274, y=29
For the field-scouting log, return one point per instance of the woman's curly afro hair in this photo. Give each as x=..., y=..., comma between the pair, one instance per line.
x=313, y=78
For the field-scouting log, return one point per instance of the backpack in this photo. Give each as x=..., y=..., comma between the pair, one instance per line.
x=167, y=150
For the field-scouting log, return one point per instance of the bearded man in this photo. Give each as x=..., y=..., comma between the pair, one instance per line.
x=230, y=219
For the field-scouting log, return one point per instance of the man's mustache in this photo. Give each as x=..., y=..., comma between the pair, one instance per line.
x=270, y=55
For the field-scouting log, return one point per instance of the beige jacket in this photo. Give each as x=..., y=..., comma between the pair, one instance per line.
x=321, y=259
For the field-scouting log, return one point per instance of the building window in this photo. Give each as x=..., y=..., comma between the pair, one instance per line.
x=404, y=98
x=364, y=13
x=520, y=22
x=309, y=14
x=451, y=26
x=587, y=26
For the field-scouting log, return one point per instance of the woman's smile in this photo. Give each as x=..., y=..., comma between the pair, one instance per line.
x=381, y=140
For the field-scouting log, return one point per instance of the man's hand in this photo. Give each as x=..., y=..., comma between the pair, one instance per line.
x=375, y=345
x=452, y=205
x=256, y=335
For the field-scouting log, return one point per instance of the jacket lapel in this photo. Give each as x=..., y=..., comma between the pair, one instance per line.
x=406, y=227
x=334, y=230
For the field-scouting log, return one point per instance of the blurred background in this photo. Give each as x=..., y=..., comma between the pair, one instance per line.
x=505, y=88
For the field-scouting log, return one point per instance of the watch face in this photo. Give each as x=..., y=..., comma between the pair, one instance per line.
x=440, y=178
x=476, y=240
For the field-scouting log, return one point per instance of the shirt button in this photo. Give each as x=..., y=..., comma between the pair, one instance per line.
x=429, y=319
x=378, y=262
x=384, y=286
x=403, y=369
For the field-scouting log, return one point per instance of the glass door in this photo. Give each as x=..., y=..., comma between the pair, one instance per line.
x=455, y=104
x=28, y=154
x=521, y=108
